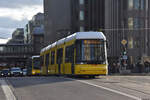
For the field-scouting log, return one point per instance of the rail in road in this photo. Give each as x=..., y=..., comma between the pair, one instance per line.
x=103, y=88
x=127, y=87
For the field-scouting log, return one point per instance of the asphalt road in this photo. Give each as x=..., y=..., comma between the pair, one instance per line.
x=61, y=88
x=2, y=95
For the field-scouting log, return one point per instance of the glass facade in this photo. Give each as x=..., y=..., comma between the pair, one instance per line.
x=130, y=23
x=81, y=2
x=130, y=4
x=130, y=42
x=136, y=4
x=81, y=15
x=136, y=23
x=81, y=28
x=142, y=4
x=146, y=4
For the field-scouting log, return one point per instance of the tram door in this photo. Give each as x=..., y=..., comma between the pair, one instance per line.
x=59, y=59
x=72, y=59
x=47, y=63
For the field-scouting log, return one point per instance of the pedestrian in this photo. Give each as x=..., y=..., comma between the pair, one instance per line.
x=109, y=69
x=118, y=67
x=146, y=64
x=114, y=68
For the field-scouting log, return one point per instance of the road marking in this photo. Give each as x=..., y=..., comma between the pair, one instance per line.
x=7, y=91
x=108, y=89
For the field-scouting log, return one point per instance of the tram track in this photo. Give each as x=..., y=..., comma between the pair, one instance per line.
x=118, y=83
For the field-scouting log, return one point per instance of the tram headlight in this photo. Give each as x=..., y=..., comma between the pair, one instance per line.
x=33, y=72
x=48, y=70
x=81, y=63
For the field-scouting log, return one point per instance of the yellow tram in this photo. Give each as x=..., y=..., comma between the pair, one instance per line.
x=33, y=67
x=82, y=53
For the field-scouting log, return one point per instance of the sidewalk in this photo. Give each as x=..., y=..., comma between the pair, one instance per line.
x=126, y=74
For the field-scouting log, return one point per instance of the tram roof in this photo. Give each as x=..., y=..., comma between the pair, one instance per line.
x=61, y=41
x=77, y=35
x=86, y=35
x=37, y=56
x=42, y=50
x=90, y=35
x=48, y=47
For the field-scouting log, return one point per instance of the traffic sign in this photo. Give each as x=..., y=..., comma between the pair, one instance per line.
x=125, y=57
x=124, y=42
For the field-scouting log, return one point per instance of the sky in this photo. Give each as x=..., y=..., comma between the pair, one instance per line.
x=15, y=14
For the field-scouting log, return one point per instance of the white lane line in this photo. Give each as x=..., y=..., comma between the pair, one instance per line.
x=108, y=89
x=7, y=91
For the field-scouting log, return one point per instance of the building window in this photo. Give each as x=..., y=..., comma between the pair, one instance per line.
x=136, y=23
x=137, y=43
x=81, y=2
x=130, y=43
x=130, y=4
x=142, y=4
x=136, y=4
x=146, y=4
x=130, y=23
x=81, y=28
x=81, y=15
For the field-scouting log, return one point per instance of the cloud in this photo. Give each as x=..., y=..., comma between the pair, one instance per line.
x=19, y=3
x=7, y=22
x=19, y=14
x=6, y=32
x=3, y=41
x=8, y=25
x=16, y=13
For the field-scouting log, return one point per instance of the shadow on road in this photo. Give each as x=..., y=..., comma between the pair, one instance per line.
x=18, y=82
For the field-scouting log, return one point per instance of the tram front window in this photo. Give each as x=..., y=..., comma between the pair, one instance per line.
x=36, y=63
x=90, y=52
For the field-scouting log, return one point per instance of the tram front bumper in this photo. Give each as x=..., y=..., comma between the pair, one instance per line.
x=91, y=70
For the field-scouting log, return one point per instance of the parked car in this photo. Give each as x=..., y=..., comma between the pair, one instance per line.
x=16, y=71
x=5, y=72
x=24, y=71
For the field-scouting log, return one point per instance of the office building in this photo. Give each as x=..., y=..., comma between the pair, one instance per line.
x=64, y=17
x=34, y=33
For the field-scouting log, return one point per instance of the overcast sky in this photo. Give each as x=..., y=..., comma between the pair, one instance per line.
x=16, y=13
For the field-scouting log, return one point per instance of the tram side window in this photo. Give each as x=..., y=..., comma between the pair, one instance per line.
x=69, y=54
x=52, y=57
x=59, y=56
x=42, y=60
x=47, y=60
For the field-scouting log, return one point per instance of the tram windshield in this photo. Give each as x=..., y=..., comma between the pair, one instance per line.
x=36, y=63
x=90, y=52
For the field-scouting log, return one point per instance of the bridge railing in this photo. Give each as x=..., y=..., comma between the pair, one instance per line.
x=20, y=49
